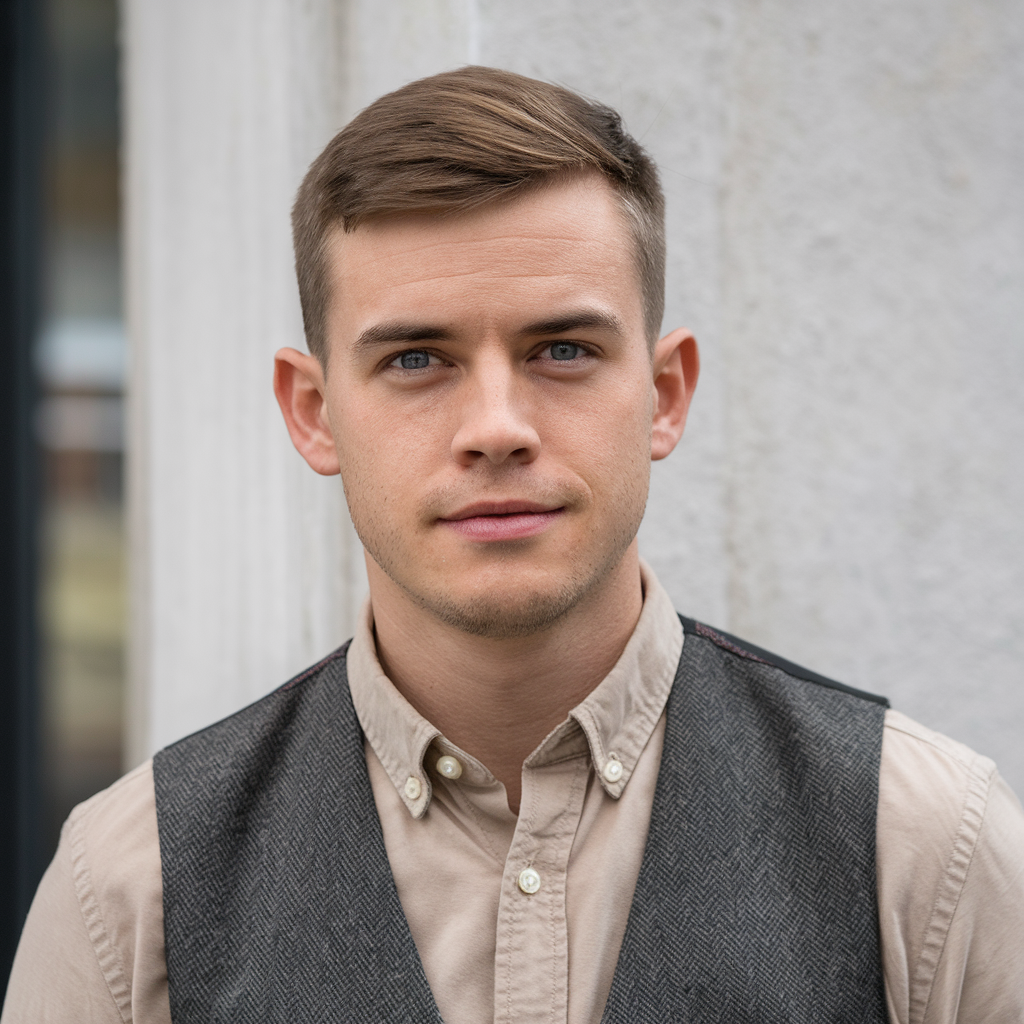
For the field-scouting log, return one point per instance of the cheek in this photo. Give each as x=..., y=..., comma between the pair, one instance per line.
x=614, y=430
x=363, y=450
x=608, y=445
x=383, y=454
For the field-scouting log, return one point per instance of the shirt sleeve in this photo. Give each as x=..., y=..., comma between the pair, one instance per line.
x=977, y=933
x=57, y=978
x=92, y=950
x=950, y=882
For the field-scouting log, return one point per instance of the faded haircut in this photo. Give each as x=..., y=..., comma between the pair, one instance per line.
x=459, y=140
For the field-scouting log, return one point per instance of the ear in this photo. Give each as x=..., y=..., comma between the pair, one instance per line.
x=676, y=367
x=299, y=387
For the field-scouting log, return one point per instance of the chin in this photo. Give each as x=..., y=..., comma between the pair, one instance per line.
x=508, y=600
x=502, y=614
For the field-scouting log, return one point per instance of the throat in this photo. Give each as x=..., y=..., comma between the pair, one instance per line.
x=498, y=698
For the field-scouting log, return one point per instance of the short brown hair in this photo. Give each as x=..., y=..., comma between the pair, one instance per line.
x=456, y=141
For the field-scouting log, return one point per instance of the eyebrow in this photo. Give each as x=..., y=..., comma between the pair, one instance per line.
x=576, y=320
x=391, y=331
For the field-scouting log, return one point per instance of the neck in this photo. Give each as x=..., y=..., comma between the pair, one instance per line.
x=498, y=698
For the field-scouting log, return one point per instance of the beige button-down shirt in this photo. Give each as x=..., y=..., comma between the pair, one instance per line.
x=489, y=949
x=950, y=865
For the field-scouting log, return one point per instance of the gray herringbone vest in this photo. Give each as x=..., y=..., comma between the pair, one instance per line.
x=755, y=902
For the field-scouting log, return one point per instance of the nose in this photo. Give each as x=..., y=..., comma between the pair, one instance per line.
x=494, y=420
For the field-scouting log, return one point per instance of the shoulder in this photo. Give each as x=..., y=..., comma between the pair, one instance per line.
x=114, y=813
x=924, y=768
x=114, y=853
x=93, y=946
x=938, y=800
x=250, y=736
x=732, y=645
x=950, y=856
x=933, y=796
x=224, y=780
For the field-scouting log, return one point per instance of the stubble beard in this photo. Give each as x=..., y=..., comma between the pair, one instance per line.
x=505, y=615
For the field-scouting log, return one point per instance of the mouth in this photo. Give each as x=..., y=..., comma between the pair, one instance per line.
x=501, y=520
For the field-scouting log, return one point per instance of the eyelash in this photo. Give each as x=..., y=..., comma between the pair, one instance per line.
x=582, y=350
x=394, y=361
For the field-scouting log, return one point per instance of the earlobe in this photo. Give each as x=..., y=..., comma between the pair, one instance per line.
x=676, y=368
x=301, y=393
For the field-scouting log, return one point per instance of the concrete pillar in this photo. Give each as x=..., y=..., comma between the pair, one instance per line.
x=241, y=564
x=845, y=225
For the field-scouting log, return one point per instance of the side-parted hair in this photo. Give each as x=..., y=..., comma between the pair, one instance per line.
x=459, y=140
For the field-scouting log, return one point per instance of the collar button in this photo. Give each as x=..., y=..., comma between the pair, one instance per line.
x=450, y=767
x=612, y=770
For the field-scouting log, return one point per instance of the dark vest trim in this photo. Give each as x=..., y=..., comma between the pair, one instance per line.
x=728, y=642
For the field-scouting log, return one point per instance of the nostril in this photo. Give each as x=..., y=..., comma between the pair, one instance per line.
x=495, y=441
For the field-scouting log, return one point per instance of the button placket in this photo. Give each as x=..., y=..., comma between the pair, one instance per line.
x=531, y=965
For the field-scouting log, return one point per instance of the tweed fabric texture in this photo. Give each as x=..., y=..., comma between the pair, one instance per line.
x=279, y=904
x=756, y=900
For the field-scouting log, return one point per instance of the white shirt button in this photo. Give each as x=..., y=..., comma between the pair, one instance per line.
x=413, y=788
x=450, y=767
x=529, y=881
x=612, y=770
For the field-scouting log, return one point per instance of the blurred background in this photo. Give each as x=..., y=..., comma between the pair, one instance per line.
x=63, y=131
x=845, y=189
x=80, y=357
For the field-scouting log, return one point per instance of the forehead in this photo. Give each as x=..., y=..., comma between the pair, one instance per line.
x=562, y=244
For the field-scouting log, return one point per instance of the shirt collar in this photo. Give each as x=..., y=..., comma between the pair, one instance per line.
x=620, y=713
x=617, y=717
x=398, y=733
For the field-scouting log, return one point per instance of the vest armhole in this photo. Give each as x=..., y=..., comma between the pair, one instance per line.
x=734, y=645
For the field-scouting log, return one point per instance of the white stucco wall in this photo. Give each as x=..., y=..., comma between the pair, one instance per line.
x=846, y=224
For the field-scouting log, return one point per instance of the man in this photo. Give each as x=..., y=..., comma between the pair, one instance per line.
x=526, y=790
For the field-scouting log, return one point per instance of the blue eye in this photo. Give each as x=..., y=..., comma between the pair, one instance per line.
x=413, y=360
x=563, y=350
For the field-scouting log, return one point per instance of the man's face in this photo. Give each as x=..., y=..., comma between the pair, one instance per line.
x=490, y=394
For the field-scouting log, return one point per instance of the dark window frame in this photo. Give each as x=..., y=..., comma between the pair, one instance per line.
x=22, y=110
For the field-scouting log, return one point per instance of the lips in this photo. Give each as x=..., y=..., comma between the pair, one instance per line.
x=501, y=520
